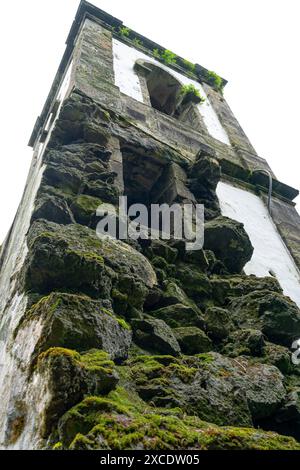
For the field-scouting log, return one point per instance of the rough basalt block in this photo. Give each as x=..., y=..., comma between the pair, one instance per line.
x=192, y=340
x=73, y=257
x=78, y=322
x=272, y=313
x=229, y=241
x=68, y=377
x=155, y=335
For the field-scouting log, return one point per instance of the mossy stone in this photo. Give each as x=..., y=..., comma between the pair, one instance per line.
x=69, y=377
x=179, y=315
x=229, y=241
x=192, y=340
x=84, y=208
x=272, y=313
x=78, y=322
x=155, y=335
x=248, y=342
x=118, y=423
x=218, y=322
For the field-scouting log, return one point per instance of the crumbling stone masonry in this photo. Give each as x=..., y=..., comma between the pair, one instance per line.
x=134, y=345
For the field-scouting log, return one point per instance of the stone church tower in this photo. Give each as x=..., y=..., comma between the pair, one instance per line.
x=131, y=345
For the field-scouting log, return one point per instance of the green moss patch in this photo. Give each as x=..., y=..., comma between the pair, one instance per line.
x=118, y=422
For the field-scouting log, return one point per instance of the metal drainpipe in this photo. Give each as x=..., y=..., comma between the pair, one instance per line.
x=266, y=172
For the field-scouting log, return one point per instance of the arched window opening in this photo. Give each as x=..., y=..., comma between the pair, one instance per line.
x=165, y=92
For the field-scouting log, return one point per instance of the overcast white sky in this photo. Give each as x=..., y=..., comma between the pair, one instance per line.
x=254, y=44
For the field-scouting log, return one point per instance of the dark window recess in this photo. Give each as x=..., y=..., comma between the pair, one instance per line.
x=165, y=92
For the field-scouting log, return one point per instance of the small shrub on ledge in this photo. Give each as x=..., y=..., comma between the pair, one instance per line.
x=191, y=93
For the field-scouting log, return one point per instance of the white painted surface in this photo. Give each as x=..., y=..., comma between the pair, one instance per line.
x=128, y=82
x=270, y=252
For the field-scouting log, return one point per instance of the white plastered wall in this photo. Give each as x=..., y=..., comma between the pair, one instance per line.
x=128, y=82
x=270, y=252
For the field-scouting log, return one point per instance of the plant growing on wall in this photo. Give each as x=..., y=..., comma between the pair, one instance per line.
x=189, y=66
x=166, y=56
x=124, y=31
x=156, y=53
x=191, y=93
x=215, y=80
x=137, y=42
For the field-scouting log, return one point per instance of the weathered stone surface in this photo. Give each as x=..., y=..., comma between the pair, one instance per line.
x=194, y=282
x=192, y=340
x=54, y=209
x=80, y=323
x=155, y=335
x=215, y=266
x=224, y=287
x=218, y=322
x=243, y=285
x=205, y=174
x=161, y=249
x=246, y=342
x=272, y=313
x=291, y=409
x=198, y=258
x=229, y=241
x=81, y=121
x=82, y=171
x=171, y=187
x=211, y=386
x=173, y=294
x=69, y=376
x=215, y=388
x=287, y=220
x=177, y=315
x=104, y=144
x=286, y=420
x=279, y=356
x=121, y=421
x=72, y=257
x=86, y=158
x=84, y=209
x=206, y=170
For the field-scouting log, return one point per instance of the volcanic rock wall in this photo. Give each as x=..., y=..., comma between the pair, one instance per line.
x=134, y=345
x=109, y=344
